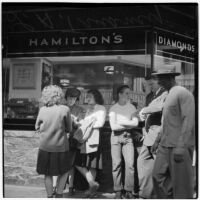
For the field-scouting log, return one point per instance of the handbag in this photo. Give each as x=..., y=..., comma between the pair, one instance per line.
x=84, y=131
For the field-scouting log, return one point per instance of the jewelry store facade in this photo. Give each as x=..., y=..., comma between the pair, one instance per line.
x=91, y=46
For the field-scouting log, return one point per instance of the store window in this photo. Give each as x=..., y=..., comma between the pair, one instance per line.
x=20, y=89
x=24, y=79
x=105, y=73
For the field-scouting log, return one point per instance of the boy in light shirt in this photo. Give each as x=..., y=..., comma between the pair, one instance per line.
x=122, y=118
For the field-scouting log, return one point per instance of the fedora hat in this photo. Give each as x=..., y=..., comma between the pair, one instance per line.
x=166, y=70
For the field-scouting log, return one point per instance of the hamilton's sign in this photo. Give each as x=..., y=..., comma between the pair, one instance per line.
x=82, y=42
x=76, y=41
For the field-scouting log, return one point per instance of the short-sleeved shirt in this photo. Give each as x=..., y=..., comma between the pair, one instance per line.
x=126, y=111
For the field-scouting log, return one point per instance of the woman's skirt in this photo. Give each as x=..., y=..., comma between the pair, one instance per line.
x=53, y=163
x=90, y=160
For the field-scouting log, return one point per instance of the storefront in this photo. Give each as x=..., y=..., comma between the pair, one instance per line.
x=84, y=54
x=91, y=46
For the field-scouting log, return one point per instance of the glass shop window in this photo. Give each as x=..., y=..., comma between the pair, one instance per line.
x=24, y=79
x=105, y=77
x=5, y=89
x=20, y=86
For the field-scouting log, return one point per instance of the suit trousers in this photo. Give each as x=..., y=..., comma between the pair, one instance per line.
x=173, y=179
x=145, y=164
x=122, y=145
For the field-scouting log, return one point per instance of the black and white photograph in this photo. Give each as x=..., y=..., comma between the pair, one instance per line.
x=100, y=99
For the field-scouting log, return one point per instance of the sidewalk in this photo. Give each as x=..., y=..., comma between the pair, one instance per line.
x=13, y=191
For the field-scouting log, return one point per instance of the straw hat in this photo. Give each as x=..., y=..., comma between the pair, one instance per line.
x=166, y=70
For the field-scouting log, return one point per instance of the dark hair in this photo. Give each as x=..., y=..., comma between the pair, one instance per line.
x=72, y=92
x=97, y=96
x=121, y=88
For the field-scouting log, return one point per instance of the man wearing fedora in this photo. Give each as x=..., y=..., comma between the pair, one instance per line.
x=152, y=114
x=172, y=173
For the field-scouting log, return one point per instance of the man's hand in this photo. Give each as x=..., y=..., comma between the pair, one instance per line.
x=154, y=147
x=178, y=153
x=138, y=137
x=142, y=115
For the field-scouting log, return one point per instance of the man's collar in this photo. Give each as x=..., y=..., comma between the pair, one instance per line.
x=158, y=90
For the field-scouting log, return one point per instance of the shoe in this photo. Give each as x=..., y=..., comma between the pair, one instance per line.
x=86, y=194
x=94, y=187
x=58, y=195
x=118, y=195
x=91, y=193
x=71, y=191
x=54, y=191
x=136, y=195
x=129, y=195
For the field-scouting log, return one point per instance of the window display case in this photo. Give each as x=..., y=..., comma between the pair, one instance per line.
x=21, y=108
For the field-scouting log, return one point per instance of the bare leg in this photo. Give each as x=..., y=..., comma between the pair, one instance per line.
x=90, y=179
x=87, y=174
x=48, y=181
x=71, y=178
x=61, y=183
x=93, y=172
x=55, y=178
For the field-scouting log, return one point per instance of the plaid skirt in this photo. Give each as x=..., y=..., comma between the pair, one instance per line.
x=53, y=163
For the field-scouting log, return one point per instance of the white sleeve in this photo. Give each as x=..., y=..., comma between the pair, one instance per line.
x=156, y=105
x=101, y=118
x=112, y=120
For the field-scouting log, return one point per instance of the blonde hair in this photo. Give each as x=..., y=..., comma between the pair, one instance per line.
x=52, y=95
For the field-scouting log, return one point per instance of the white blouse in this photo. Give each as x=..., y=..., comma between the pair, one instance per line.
x=99, y=113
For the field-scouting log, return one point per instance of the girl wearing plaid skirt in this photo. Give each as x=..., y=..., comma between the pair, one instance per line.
x=53, y=123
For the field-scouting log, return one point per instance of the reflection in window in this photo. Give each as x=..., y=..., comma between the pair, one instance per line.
x=104, y=76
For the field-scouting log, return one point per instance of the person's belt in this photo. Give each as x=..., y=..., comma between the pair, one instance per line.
x=122, y=132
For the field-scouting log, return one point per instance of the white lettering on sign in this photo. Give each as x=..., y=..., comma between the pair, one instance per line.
x=176, y=44
x=56, y=42
x=33, y=42
x=75, y=41
x=44, y=42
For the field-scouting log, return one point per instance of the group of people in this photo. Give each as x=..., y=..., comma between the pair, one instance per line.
x=69, y=137
x=70, y=140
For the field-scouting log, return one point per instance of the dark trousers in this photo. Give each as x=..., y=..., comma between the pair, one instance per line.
x=173, y=179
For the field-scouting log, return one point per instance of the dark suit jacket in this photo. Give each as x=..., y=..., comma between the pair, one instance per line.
x=154, y=118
